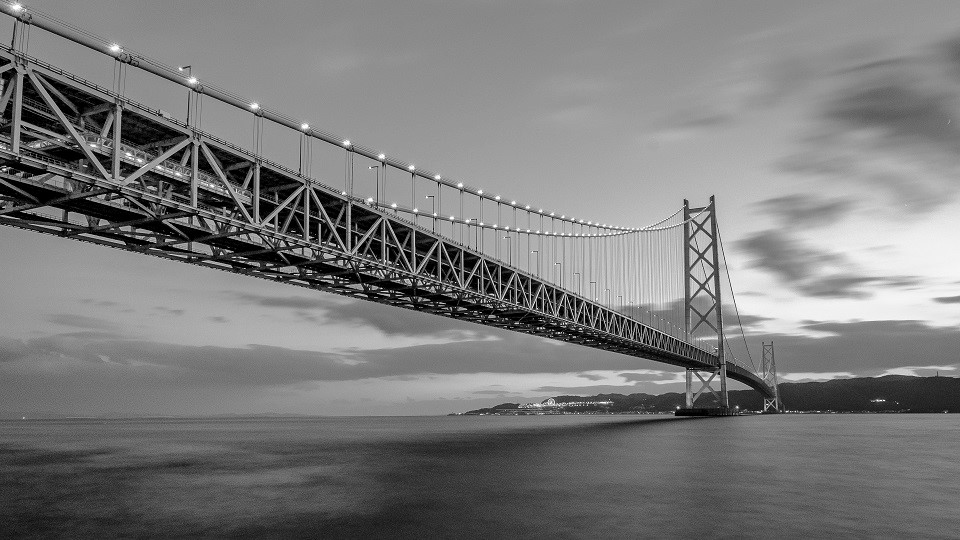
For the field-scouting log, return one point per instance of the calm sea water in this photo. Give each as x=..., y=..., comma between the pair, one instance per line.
x=851, y=476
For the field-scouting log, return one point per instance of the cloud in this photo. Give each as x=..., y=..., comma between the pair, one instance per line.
x=812, y=376
x=80, y=321
x=811, y=271
x=654, y=376
x=262, y=365
x=863, y=347
x=947, y=299
x=493, y=392
x=318, y=301
x=749, y=322
x=99, y=303
x=587, y=390
x=891, y=123
x=686, y=126
x=324, y=308
x=901, y=108
x=753, y=82
x=803, y=210
x=914, y=371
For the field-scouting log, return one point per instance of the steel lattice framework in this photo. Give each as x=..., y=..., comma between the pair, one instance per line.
x=768, y=372
x=702, y=303
x=83, y=162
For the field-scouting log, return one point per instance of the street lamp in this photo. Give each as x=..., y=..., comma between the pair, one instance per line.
x=560, y=272
x=189, y=70
x=376, y=170
x=594, y=295
x=476, y=232
x=579, y=283
x=433, y=210
x=509, y=250
x=538, y=261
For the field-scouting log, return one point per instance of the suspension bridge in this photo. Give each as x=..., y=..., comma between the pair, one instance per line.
x=82, y=161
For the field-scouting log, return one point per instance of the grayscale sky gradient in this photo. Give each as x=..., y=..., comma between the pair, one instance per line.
x=825, y=129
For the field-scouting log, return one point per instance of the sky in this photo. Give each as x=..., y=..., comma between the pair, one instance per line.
x=825, y=130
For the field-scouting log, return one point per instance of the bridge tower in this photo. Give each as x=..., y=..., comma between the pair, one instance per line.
x=768, y=372
x=701, y=260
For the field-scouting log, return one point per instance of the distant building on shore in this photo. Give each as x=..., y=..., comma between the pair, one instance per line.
x=551, y=403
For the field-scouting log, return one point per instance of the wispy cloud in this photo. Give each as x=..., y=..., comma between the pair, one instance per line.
x=815, y=376
x=262, y=365
x=863, y=347
x=81, y=321
x=324, y=309
x=653, y=376
x=917, y=371
x=805, y=210
x=889, y=122
x=814, y=271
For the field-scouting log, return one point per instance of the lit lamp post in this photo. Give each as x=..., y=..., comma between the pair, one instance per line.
x=593, y=294
x=538, y=261
x=560, y=273
x=376, y=170
x=579, y=283
x=476, y=232
x=189, y=70
x=433, y=210
x=509, y=249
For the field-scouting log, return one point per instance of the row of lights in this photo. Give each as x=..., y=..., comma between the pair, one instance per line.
x=255, y=106
x=412, y=168
x=468, y=221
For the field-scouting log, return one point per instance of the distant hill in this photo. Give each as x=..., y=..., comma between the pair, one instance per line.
x=892, y=393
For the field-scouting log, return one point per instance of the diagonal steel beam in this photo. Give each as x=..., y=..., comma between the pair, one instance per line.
x=132, y=177
x=67, y=124
x=213, y=162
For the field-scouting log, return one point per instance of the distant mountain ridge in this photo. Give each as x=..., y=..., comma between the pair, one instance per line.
x=890, y=393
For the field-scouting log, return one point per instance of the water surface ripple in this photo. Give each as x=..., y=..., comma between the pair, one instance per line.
x=788, y=476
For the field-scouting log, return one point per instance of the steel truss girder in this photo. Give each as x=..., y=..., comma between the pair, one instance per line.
x=349, y=248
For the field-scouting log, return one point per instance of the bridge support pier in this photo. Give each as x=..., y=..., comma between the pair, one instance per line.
x=705, y=385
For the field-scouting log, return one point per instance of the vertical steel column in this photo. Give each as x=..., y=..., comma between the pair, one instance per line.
x=256, y=190
x=715, y=243
x=687, y=242
x=17, y=111
x=194, y=169
x=306, y=209
x=116, y=140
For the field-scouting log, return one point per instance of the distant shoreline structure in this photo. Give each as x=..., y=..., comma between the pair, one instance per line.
x=887, y=394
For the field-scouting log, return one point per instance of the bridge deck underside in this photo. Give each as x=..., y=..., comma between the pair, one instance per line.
x=79, y=162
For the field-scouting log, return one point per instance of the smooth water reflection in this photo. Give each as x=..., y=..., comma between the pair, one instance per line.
x=481, y=477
